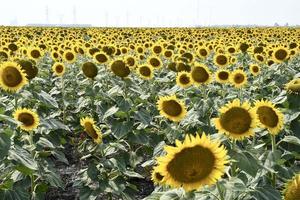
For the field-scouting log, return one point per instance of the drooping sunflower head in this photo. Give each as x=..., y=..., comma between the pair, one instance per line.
x=238, y=78
x=184, y=79
x=293, y=86
x=222, y=76
x=58, y=69
x=201, y=75
x=171, y=108
x=28, y=118
x=292, y=189
x=236, y=120
x=119, y=68
x=221, y=60
x=269, y=116
x=193, y=163
x=145, y=71
x=12, y=77
x=254, y=69
x=91, y=129
x=89, y=69
x=29, y=68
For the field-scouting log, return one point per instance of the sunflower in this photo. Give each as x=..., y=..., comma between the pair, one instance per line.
x=201, y=75
x=254, y=69
x=171, y=108
x=184, y=79
x=156, y=176
x=292, y=189
x=155, y=62
x=28, y=67
x=69, y=56
x=293, y=86
x=222, y=76
x=203, y=52
x=238, y=78
x=280, y=54
x=193, y=163
x=269, y=116
x=28, y=118
x=12, y=77
x=221, y=60
x=34, y=53
x=145, y=72
x=91, y=129
x=119, y=68
x=101, y=58
x=89, y=69
x=236, y=120
x=58, y=69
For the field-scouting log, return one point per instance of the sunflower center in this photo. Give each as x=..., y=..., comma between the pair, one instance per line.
x=59, y=69
x=203, y=52
x=267, y=116
x=239, y=78
x=191, y=164
x=101, y=58
x=200, y=75
x=255, y=69
x=11, y=76
x=223, y=75
x=69, y=56
x=26, y=118
x=281, y=54
x=145, y=71
x=35, y=53
x=236, y=120
x=120, y=69
x=184, y=79
x=221, y=60
x=172, y=108
x=154, y=62
x=90, y=130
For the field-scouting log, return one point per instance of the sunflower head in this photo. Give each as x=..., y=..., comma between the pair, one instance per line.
x=221, y=60
x=184, y=79
x=269, y=116
x=293, y=86
x=69, y=56
x=145, y=72
x=89, y=69
x=28, y=118
x=222, y=76
x=28, y=67
x=238, y=78
x=101, y=58
x=34, y=53
x=193, y=163
x=91, y=129
x=254, y=69
x=155, y=62
x=12, y=77
x=171, y=108
x=58, y=69
x=201, y=75
x=236, y=120
x=119, y=68
x=292, y=189
x=280, y=54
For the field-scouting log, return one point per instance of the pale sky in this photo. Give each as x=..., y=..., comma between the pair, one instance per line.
x=154, y=13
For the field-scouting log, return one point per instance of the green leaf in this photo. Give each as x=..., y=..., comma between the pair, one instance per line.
x=133, y=174
x=5, y=142
x=110, y=112
x=45, y=143
x=143, y=116
x=23, y=157
x=53, y=179
x=290, y=139
x=170, y=195
x=246, y=162
x=47, y=99
x=120, y=129
x=266, y=193
x=54, y=124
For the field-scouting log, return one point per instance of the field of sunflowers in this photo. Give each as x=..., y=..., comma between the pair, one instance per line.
x=149, y=113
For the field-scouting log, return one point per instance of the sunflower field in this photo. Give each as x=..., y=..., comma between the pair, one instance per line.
x=150, y=113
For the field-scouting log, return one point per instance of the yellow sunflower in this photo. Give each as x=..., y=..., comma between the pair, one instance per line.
x=155, y=62
x=184, y=79
x=280, y=54
x=221, y=60
x=238, y=78
x=69, y=56
x=193, y=163
x=201, y=75
x=171, y=108
x=12, y=77
x=269, y=116
x=28, y=118
x=254, y=69
x=58, y=69
x=91, y=129
x=292, y=189
x=236, y=120
x=34, y=53
x=222, y=76
x=293, y=86
x=145, y=71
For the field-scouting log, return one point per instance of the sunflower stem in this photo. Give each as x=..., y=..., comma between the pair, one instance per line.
x=220, y=191
x=32, y=178
x=16, y=100
x=273, y=175
x=63, y=97
x=233, y=166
